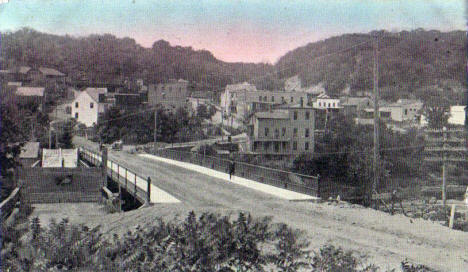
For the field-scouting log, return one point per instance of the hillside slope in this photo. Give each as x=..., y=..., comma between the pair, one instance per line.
x=408, y=61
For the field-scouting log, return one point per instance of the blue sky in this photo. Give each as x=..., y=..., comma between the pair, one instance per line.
x=233, y=30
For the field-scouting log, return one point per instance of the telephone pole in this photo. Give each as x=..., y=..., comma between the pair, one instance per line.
x=447, y=150
x=376, y=117
x=155, y=127
x=50, y=134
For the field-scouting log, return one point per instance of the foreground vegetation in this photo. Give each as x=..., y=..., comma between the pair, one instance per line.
x=207, y=243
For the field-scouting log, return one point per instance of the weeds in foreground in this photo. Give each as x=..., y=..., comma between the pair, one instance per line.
x=208, y=243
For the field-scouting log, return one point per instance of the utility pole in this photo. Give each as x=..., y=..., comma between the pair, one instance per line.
x=50, y=135
x=376, y=117
x=440, y=151
x=155, y=127
x=444, y=173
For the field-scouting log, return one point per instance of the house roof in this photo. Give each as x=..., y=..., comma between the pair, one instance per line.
x=403, y=102
x=200, y=94
x=276, y=114
x=50, y=72
x=95, y=92
x=24, y=69
x=295, y=106
x=30, y=150
x=354, y=101
x=30, y=91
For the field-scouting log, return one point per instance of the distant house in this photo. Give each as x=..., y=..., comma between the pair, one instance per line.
x=56, y=158
x=28, y=74
x=128, y=100
x=323, y=101
x=171, y=95
x=88, y=104
x=354, y=105
x=286, y=131
x=29, y=154
x=405, y=110
x=243, y=99
x=15, y=84
x=366, y=116
x=26, y=95
x=457, y=116
x=198, y=98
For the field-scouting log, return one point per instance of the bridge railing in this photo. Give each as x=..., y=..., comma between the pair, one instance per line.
x=279, y=178
x=133, y=183
x=7, y=205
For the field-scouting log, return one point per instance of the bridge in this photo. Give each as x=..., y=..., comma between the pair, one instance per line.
x=387, y=239
x=140, y=187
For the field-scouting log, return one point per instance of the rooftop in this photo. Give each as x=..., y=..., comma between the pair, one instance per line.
x=50, y=72
x=95, y=92
x=30, y=150
x=295, y=106
x=30, y=91
x=276, y=114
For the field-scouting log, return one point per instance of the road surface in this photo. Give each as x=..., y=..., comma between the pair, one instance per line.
x=387, y=239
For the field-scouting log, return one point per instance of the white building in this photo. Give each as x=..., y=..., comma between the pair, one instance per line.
x=457, y=116
x=232, y=93
x=87, y=106
x=60, y=158
x=323, y=101
x=404, y=110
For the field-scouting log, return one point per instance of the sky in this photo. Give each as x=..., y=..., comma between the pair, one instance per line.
x=233, y=30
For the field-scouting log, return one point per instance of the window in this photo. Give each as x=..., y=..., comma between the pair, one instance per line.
x=292, y=99
x=334, y=105
x=76, y=115
x=91, y=105
x=76, y=104
x=260, y=98
x=265, y=98
x=266, y=132
x=282, y=99
x=283, y=132
x=307, y=133
x=295, y=132
x=406, y=111
x=306, y=146
x=276, y=133
x=295, y=115
x=272, y=99
x=307, y=115
x=329, y=105
x=320, y=104
x=294, y=145
x=276, y=147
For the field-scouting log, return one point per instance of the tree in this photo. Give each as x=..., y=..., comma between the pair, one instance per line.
x=66, y=139
x=437, y=112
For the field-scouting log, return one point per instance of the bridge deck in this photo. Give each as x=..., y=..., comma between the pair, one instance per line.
x=130, y=181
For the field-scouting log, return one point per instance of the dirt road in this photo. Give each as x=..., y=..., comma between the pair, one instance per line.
x=386, y=239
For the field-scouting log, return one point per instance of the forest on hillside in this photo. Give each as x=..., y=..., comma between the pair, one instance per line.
x=410, y=61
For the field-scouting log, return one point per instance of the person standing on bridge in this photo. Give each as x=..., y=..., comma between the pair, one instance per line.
x=232, y=168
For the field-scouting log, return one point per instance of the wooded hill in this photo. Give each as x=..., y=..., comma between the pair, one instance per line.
x=408, y=61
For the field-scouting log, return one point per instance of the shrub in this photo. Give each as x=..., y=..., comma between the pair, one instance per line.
x=332, y=259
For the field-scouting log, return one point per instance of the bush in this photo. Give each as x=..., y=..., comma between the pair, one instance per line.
x=332, y=259
x=208, y=243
